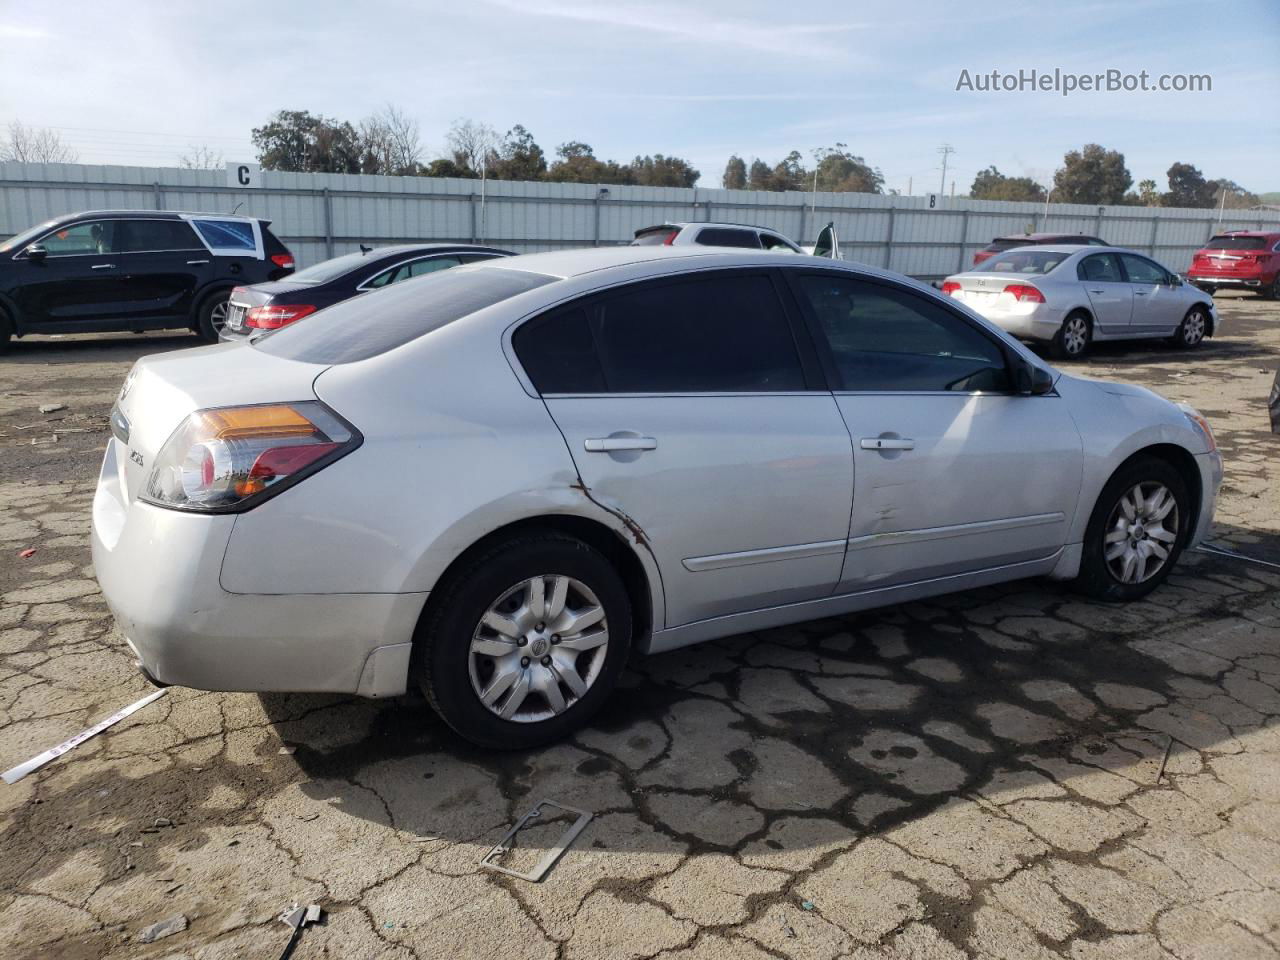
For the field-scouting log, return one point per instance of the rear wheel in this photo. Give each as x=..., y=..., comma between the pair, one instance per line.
x=1191, y=331
x=1072, y=340
x=213, y=315
x=1136, y=532
x=1272, y=291
x=6, y=331
x=526, y=642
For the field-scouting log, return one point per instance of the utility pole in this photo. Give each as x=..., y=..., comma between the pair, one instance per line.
x=953, y=189
x=908, y=186
x=946, y=150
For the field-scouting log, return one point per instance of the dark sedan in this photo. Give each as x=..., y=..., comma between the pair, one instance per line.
x=258, y=309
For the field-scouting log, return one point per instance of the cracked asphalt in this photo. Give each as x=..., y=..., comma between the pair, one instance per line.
x=974, y=776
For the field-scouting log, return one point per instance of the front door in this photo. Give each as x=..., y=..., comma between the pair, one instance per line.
x=686, y=408
x=827, y=245
x=77, y=282
x=1110, y=296
x=953, y=472
x=1158, y=306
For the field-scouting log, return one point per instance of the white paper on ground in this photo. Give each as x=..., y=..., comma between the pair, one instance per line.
x=36, y=762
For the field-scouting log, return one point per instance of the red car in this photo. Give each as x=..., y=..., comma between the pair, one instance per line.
x=1245, y=259
x=1001, y=244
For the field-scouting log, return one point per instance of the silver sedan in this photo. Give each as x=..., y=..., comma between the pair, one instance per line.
x=496, y=482
x=1071, y=295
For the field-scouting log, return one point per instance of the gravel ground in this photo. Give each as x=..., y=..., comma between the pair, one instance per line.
x=975, y=776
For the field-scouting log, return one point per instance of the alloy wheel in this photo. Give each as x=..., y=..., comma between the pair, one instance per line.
x=1193, y=328
x=218, y=315
x=1141, y=532
x=538, y=648
x=1075, y=334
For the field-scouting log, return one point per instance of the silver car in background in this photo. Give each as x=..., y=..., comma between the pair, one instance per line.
x=1071, y=295
x=497, y=481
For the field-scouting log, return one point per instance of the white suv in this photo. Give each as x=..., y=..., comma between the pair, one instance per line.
x=738, y=235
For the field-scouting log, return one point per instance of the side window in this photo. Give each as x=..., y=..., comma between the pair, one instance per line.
x=558, y=354
x=431, y=265
x=725, y=237
x=1142, y=270
x=81, y=239
x=886, y=339
x=233, y=236
x=478, y=257
x=775, y=243
x=386, y=277
x=143, y=236
x=1100, y=268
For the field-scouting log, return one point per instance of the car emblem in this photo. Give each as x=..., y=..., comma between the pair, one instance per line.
x=136, y=457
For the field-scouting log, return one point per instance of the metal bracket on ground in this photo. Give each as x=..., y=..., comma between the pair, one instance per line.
x=551, y=856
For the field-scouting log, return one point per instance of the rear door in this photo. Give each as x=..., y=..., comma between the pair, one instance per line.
x=1110, y=296
x=686, y=407
x=954, y=473
x=1157, y=305
x=162, y=266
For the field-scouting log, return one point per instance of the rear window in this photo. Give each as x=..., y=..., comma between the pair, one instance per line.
x=1237, y=243
x=330, y=269
x=227, y=234
x=655, y=237
x=1006, y=243
x=385, y=319
x=722, y=237
x=1025, y=260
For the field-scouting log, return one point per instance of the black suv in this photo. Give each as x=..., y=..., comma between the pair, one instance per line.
x=132, y=270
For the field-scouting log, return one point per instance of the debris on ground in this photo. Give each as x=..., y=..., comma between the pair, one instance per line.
x=28, y=553
x=806, y=904
x=288, y=749
x=165, y=928
x=298, y=918
x=15, y=774
x=52, y=407
x=551, y=856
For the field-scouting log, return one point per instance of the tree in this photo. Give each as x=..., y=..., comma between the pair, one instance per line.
x=389, y=144
x=444, y=167
x=790, y=174
x=660, y=171
x=1148, y=193
x=519, y=157
x=760, y=177
x=1091, y=175
x=991, y=184
x=472, y=144
x=35, y=145
x=842, y=172
x=735, y=174
x=201, y=157
x=1238, y=198
x=298, y=141
x=578, y=164
x=1187, y=187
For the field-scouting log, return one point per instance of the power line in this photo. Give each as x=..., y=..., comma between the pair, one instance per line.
x=946, y=150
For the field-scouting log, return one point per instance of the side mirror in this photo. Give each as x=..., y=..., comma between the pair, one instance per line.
x=36, y=253
x=1175, y=280
x=1031, y=380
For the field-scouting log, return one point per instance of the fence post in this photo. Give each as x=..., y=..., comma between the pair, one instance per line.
x=1155, y=230
x=472, y=208
x=595, y=240
x=1097, y=223
x=707, y=205
x=328, y=223
x=888, y=243
x=804, y=214
x=964, y=235
x=159, y=195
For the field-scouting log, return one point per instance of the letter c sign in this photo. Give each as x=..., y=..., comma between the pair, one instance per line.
x=244, y=175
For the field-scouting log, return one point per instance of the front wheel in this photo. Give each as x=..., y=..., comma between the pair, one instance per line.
x=213, y=316
x=1136, y=532
x=526, y=642
x=1071, y=342
x=1191, y=331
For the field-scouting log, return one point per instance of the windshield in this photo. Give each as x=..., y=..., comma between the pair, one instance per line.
x=1237, y=243
x=18, y=241
x=329, y=269
x=392, y=316
x=1024, y=260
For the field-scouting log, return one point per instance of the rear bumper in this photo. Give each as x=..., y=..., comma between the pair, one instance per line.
x=159, y=571
x=1202, y=281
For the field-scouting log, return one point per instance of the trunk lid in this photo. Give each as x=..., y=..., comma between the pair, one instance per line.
x=161, y=390
x=983, y=288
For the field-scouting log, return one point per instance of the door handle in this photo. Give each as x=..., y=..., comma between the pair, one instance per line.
x=196, y=263
x=1139, y=293
x=606, y=444
x=1097, y=291
x=103, y=266
x=887, y=443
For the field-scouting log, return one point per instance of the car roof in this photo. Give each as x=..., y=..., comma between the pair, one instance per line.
x=1039, y=236
x=1245, y=233
x=682, y=224
x=399, y=249
x=1077, y=248
x=149, y=215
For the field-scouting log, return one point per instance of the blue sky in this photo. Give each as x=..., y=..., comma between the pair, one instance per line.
x=139, y=82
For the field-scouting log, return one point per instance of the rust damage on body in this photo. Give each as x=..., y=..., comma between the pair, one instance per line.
x=632, y=527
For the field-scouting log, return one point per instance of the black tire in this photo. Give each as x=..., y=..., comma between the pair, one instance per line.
x=442, y=654
x=1071, y=342
x=1097, y=578
x=1272, y=292
x=6, y=331
x=1192, y=330
x=206, y=322
x=1210, y=290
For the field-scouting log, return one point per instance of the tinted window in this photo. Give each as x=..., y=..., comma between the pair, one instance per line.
x=558, y=354
x=1236, y=243
x=81, y=239
x=142, y=236
x=776, y=244
x=1142, y=270
x=328, y=270
x=420, y=267
x=883, y=338
x=1100, y=268
x=367, y=326
x=722, y=333
x=721, y=237
x=1006, y=243
x=227, y=234
x=1025, y=260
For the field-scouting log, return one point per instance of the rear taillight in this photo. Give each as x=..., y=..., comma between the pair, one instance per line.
x=283, y=260
x=273, y=317
x=670, y=238
x=1024, y=293
x=950, y=287
x=230, y=458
